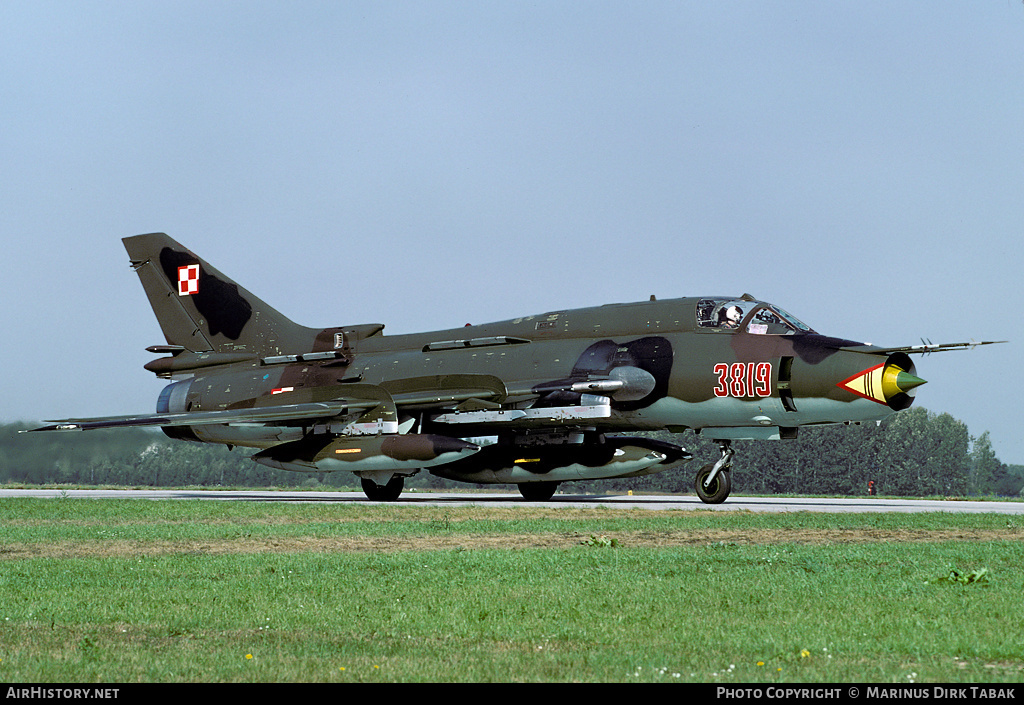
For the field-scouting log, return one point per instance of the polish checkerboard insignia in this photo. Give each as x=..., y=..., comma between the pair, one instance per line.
x=188, y=280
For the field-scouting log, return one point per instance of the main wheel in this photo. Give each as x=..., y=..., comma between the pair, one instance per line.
x=719, y=488
x=384, y=493
x=537, y=491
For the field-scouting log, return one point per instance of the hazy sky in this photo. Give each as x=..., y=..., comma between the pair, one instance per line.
x=430, y=164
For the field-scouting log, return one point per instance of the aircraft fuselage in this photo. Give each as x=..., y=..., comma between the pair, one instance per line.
x=729, y=383
x=553, y=389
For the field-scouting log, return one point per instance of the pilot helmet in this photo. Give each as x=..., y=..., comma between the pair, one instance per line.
x=733, y=314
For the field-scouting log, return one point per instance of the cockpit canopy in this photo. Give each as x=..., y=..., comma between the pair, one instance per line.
x=757, y=317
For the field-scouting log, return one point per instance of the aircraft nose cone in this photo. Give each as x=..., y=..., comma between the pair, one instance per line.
x=906, y=381
x=891, y=383
x=896, y=380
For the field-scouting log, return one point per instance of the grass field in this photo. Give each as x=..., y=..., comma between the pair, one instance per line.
x=121, y=591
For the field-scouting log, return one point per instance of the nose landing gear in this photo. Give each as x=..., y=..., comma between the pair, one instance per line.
x=713, y=483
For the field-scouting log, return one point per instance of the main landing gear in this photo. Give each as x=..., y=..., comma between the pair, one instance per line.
x=383, y=493
x=537, y=491
x=713, y=483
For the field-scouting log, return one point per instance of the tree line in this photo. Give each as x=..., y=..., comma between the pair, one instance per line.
x=913, y=453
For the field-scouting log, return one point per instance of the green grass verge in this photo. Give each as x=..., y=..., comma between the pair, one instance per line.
x=125, y=591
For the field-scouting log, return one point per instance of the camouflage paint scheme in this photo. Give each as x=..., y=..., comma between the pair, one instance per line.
x=556, y=388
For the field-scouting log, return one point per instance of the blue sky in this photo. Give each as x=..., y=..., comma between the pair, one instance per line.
x=429, y=164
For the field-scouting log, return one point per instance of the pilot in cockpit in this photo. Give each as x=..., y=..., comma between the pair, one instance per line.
x=730, y=317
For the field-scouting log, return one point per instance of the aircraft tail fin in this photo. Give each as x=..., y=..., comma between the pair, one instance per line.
x=202, y=310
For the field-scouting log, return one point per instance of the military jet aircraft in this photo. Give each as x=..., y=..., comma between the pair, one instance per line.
x=557, y=390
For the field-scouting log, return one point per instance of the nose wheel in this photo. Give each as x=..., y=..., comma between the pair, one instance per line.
x=713, y=483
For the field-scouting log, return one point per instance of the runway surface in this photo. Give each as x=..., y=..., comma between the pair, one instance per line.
x=511, y=499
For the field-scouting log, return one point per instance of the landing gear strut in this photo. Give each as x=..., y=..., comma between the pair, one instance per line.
x=713, y=483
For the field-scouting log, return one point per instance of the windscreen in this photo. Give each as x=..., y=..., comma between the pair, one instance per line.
x=730, y=314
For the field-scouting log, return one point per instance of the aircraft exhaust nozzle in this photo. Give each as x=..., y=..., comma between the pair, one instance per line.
x=891, y=383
